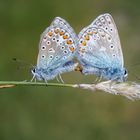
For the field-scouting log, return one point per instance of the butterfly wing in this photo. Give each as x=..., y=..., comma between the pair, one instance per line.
x=99, y=44
x=57, y=45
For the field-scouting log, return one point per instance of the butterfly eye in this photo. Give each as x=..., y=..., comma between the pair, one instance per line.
x=43, y=47
x=34, y=70
x=48, y=42
x=43, y=56
x=125, y=73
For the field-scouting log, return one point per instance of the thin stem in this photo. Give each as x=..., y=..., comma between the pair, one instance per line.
x=25, y=83
x=129, y=89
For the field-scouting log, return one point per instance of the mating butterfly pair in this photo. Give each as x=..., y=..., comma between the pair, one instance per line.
x=97, y=48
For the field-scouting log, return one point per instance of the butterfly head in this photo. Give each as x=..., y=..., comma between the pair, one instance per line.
x=121, y=75
x=114, y=74
x=37, y=73
x=125, y=74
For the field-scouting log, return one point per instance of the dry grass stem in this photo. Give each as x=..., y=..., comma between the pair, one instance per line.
x=131, y=90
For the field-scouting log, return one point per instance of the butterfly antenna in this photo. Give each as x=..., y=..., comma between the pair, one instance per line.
x=33, y=78
x=133, y=66
x=22, y=62
x=134, y=75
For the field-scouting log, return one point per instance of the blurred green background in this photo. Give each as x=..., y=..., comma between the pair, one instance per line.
x=52, y=113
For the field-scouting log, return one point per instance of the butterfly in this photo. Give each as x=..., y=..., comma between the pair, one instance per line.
x=99, y=50
x=56, y=51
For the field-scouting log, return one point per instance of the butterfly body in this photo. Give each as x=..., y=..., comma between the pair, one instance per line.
x=99, y=50
x=48, y=74
x=114, y=74
x=56, y=50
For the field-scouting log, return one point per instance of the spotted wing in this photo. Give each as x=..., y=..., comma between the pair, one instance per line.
x=99, y=44
x=57, y=45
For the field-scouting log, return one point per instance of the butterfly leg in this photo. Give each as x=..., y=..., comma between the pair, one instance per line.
x=100, y=78
x=61, y=79
x=33, y=78
x=46, y=82
x=97, y=80
x=57, y=79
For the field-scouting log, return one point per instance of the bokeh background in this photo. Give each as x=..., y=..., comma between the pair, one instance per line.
x=52, y=113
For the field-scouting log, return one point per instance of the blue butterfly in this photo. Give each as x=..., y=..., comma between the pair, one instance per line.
x=99, y=50
x=56, y=50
